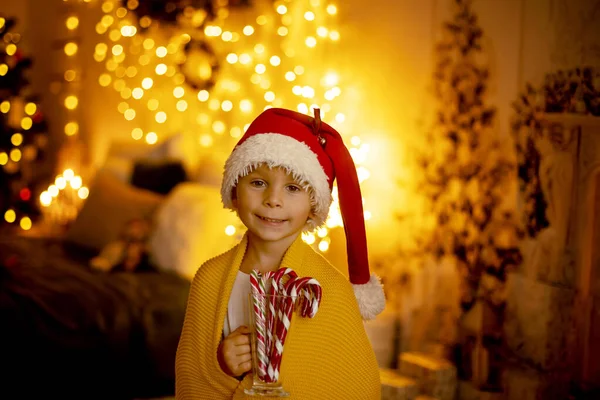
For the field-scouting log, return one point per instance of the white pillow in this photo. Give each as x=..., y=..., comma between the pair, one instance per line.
x=190, y=229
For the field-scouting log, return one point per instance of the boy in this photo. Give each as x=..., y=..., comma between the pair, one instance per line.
x=279, y=179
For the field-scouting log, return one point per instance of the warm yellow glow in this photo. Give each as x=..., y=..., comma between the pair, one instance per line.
x=26, y=123
x=334, y=35
x=248, y=30
x=30, y=108
x=128, y=30
x=11, y=49
x=227, y=105
x=182, y=105
x=309, y=16
x=161, y=51
x=122, y=107
x=60, y=182
x=121, y=12
x=70, y=49
x=71, y=102
x=275, y=61
x=3, y=158
x=147, y=83
x=10, y=216
x=2, y=22
x=246, y=106
x=137, y=93
x=205, y=140
x=161, y=69
x=76, y=182
x=261, y=20
x=15, y=155
x=281, y=9
x=230, y=230
x=70, y=75
x=322, y=31
x=232, y=58
x=25, y=223
x=269, y=96
x=308, y=238
x=282, y=31
x=203, y=95
x=227, y=36
x=3, y=69
x=235, y=132
x=5, y=106
x=160, y=117
x=45, y=199
x=107, y=6
x=83, y=192
x=68, y=174
x=53, y=190
x=145, y=21
x=331, y=9
x=151, y=137
x=245, y=58
x=311, y=41
x=260, y=68
x=16, y=139
x=117, y=49
x=214, y=104
x=153, y=104
x=72, y=22
x=324, y=245
x=178, y=92
x=137, y=133
x=129, y=114
x=218, y=127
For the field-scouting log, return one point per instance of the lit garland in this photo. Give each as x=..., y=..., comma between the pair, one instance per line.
x=209, y=73
x=23, y=131
x=63, y=198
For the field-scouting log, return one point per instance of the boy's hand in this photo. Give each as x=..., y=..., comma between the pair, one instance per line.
x=234, y=352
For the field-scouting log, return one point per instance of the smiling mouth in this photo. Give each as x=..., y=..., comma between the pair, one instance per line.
x=271, y=219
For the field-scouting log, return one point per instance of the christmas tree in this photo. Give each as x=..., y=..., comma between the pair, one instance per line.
x=23, y=133
x=468, y=175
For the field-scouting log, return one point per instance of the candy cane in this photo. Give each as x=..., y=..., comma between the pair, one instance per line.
x=278, y=281
x=309, y=291
x=258, y=304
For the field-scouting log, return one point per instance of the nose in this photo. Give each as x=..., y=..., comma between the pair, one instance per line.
x=273, y=197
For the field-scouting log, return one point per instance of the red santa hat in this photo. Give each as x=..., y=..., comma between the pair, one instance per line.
x=314, y=153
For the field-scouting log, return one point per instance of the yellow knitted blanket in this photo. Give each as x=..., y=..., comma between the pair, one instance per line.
x=325, y=357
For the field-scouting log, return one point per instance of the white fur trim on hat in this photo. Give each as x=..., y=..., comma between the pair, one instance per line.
x=277, y=150
x=370, y=297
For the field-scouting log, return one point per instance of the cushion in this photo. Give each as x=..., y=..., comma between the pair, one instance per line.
x=189, y=228
x=110, y=205
x=158, y=176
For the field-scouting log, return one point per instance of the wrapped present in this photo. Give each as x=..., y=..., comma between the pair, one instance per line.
x=397, y=387
x=435, y=376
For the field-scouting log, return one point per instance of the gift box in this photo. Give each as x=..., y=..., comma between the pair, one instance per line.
x=397, y=387
x=435, y=377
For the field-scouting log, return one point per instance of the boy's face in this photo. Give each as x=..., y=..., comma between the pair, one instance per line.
x=272, y=205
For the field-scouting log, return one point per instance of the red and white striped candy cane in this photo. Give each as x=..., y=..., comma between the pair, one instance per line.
x=259, y=307
x=308, y=290
x=278, y=281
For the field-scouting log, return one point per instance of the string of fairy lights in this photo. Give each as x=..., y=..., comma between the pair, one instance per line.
x=209, y=73
x=63, y=198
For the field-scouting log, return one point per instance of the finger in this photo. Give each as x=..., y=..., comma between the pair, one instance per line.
x=245, y=367
x=242, y=358
x=240, y=340
x=242, y=329
x=242, y=349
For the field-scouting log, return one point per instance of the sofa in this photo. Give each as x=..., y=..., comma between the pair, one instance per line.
x=72, y=331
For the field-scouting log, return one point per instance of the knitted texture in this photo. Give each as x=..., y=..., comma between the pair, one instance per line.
x=325, y=357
